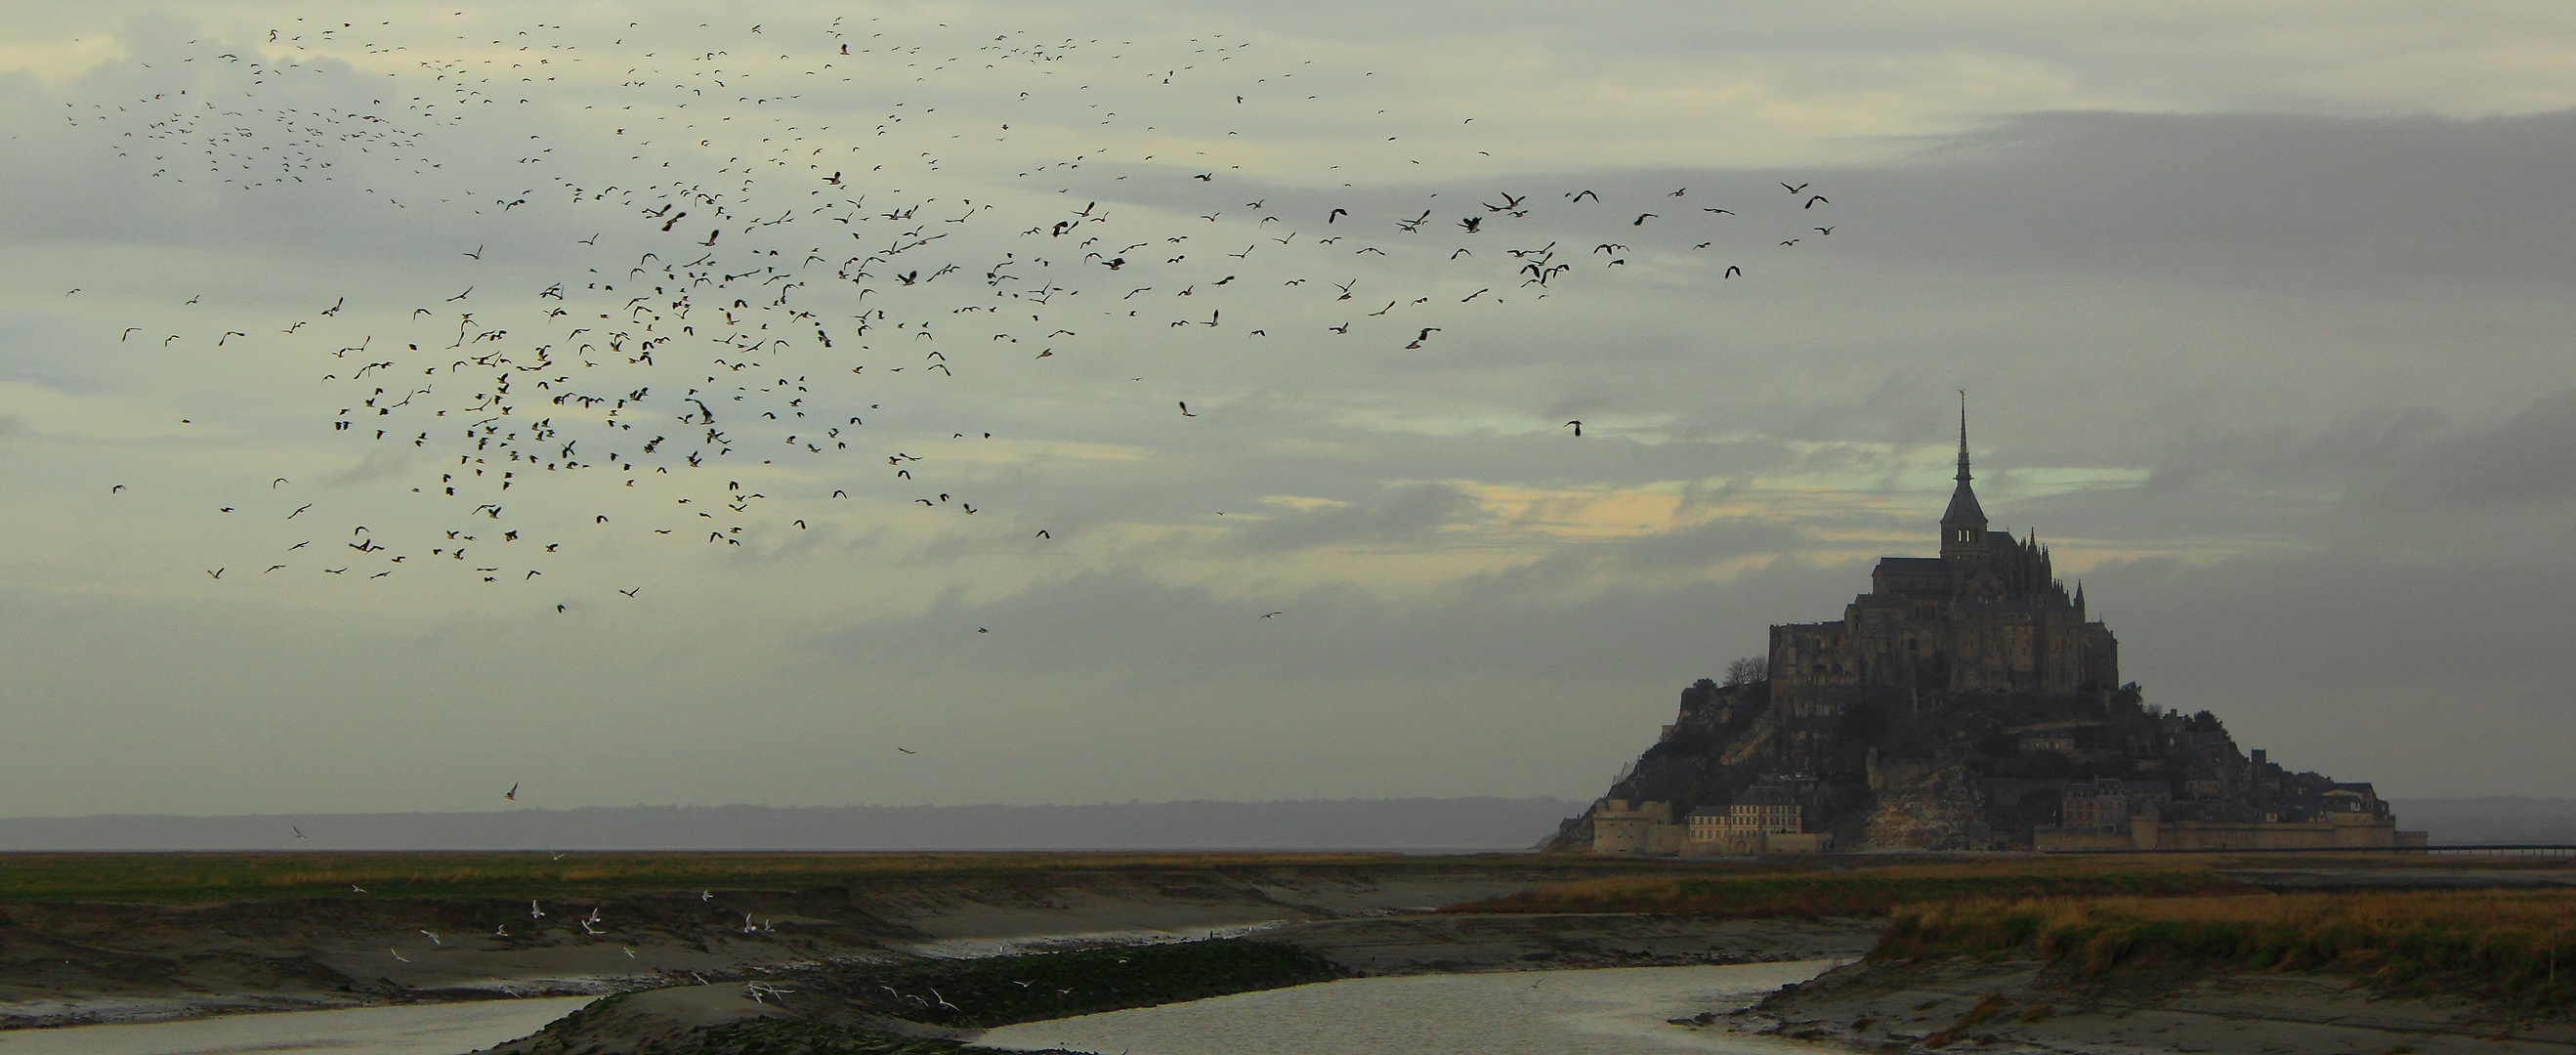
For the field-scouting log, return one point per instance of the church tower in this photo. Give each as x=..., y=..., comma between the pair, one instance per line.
x=1963, y=525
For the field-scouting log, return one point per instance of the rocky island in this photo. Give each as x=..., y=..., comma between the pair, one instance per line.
x=1968, y=701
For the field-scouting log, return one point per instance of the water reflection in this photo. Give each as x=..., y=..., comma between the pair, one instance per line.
x=420, y=1029
x=1620, y=1011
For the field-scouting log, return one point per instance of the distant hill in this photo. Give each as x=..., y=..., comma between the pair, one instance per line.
x=1315, y=824
x=2490, y=819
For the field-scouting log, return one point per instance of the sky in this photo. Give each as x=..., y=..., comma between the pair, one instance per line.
x=375, y=436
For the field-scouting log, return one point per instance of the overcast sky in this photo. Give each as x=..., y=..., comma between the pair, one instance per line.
x=2263, y=311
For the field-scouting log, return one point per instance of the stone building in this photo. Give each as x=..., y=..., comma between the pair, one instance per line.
x=1773, y=816
x=1987, y=615
x=1635, y=829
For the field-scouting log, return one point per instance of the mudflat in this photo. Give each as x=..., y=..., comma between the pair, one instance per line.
x=161, y=936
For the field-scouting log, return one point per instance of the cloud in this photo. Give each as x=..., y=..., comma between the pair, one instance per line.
x=1408, y=513
x=2256, y=353
x=2214, y=197
x=2522, y=460
x=381, y=464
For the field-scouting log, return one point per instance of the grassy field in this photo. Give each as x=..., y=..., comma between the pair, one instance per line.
x=1818, y=891
x=2497, y=944
x=192, y=877
x=1817, y=887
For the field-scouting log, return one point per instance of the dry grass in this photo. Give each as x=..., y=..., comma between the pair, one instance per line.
x=1813, y=892
x=185, y=877
x=2503, y=944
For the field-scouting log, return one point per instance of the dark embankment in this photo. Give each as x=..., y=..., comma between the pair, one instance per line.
x=2341, y=971
x=926, y=1007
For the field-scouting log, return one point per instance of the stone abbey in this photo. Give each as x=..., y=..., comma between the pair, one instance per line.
x=1988, y=614
x=1967, y=701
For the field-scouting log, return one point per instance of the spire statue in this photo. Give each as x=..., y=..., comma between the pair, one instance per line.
x=1963, y=525
x=1963, y=437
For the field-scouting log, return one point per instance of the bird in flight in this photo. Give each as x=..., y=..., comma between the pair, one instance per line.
x=512, y=794
x=1577, y=426
x=1185, y=409
x=299, y=832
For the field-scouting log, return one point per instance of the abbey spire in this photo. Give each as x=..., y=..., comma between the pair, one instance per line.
x=1963, y=525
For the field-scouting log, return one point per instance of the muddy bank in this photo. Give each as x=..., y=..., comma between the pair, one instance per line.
x=2030, y=1006
x=64, y=963
x=921, y=1006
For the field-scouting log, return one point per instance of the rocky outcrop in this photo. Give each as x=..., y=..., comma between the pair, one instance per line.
x=1936, y=809
x=1940, y=770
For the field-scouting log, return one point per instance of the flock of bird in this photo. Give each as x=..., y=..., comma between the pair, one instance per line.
x=594, y=925
x=771, y=263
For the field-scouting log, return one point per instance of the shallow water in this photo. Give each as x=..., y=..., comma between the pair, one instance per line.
x=1619, y=1011
x=418, y=1029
